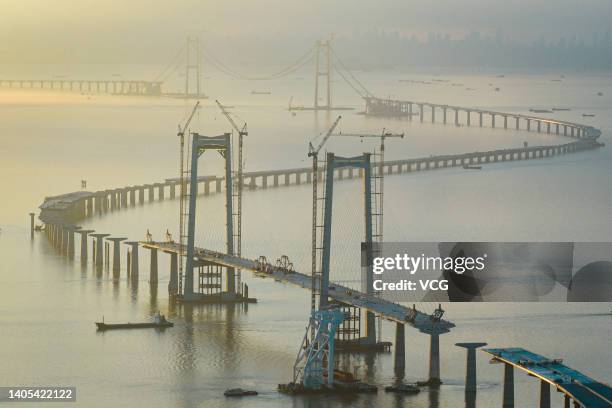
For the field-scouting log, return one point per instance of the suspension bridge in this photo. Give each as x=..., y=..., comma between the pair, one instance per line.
x=189, y=62
x=200, y=275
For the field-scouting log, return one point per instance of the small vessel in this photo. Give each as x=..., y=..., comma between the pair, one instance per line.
x=561, y=109
x=496, y=89
x=159, y=322
x=239, y=392
x=261, y=93
x=540, y=110
x=403, y=389
x=588, y=115
x=471, y=167
x=599, y=93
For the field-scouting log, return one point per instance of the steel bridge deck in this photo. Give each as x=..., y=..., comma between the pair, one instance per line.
x=585, y=390
x=388, y=310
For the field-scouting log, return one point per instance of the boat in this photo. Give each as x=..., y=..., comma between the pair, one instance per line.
x=239, y=392
x=403, y=389
x=159, y=322
x=470, y=167
x=599, y=93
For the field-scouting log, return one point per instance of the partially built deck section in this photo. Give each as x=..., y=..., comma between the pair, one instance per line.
x=424, y=322
x=582, y=389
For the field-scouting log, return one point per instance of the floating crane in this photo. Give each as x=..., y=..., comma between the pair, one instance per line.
x=238, y=179
x=183, y=196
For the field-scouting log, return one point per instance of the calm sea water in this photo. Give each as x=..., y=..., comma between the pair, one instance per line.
x=48, y=304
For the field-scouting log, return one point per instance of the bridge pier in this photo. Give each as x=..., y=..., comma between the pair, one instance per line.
x=539, y=126
x=116, y=256
x=493, y=120
x=517, y=122
x=275, y=180
x=480, y=119
x=505, y=122
x=173, y=284
x=421, y=112
x=133, y=266
x=444, y=115
x=410, y=111
x=98, y=255
x=544, y=394
x=508, y=401
x=434, y=360
x=400, y=350
x=456, y=117
x=151, y=193
x=153, y=272
x=468, y=117
x=160, y=191
x=470, y=370
x=132, y=196
x=71, y=231
x=172, y=190
x=528, y=125
x=218, y=185
x=433, y=113
x=207, y=188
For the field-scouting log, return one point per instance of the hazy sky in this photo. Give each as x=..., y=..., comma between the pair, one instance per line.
x=110, y=30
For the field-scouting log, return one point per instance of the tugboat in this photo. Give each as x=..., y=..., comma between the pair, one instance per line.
x=159, y=322
x=239, y=392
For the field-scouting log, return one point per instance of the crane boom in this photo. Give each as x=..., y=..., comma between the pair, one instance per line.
x=181, y=132
x=242, y=131
x=311, y=149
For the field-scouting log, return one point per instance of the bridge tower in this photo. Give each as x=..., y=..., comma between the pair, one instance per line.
x=322, y=252
x=210, y=273
x=193, y=68
x=323, y=48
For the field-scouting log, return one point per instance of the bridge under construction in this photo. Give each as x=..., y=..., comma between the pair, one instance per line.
x=341, y=317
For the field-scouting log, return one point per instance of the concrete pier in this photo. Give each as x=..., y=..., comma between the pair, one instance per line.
x=71, y=230
x=133, y=265
x=173, y=284
x=400, y=350
x=99, y=249
x=470, y=373
x=84, y=234
x=434, y=360
x=153, y=273
x=544, y=394
x=508, y=401
x=32, y=225
x=116, y=255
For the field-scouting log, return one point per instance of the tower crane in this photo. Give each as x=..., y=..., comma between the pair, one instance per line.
x=239, y=185
x=182, y=194
x=314, y=153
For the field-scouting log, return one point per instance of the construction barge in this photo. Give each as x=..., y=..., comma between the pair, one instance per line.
x=159, y=322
